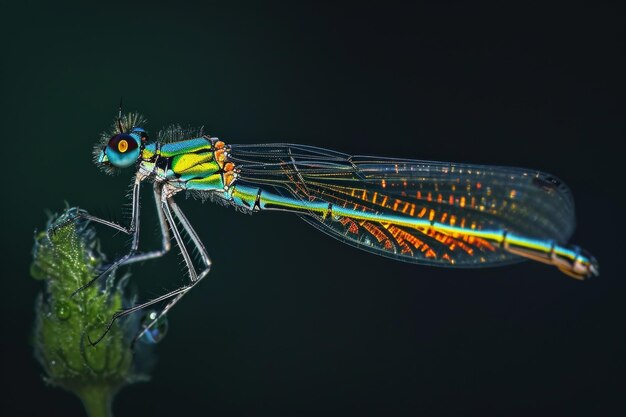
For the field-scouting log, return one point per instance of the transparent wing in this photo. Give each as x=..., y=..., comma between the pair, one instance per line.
x=527, y=202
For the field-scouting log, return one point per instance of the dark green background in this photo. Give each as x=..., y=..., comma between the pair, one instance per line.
x=292, y=322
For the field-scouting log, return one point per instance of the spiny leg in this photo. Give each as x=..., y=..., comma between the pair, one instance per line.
x=165, y=235
x=204, y=255
x=164, y=208
x=133, y=309
x=133, y=229
x=132, y=256
x=168, y=205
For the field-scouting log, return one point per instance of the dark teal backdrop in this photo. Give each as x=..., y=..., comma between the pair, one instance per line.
x=290, y=321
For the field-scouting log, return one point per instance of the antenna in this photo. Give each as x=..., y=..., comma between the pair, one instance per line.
x=119, y=118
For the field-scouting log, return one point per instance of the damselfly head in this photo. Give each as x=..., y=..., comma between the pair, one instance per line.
x=122, y=150
x=120, y=147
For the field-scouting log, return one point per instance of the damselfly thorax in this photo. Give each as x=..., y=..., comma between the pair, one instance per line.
x=195, y=164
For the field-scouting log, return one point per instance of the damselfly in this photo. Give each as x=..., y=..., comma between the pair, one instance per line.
x=434, y=213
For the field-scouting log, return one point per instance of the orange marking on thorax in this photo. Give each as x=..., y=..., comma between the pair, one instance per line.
x=374, y=198
x=419, y=195
x=229, y=177
x=395, y=205
x=429, y=197
x=384, y=203
x=431, y=215
x=220, y=157
x=451, y=199
x=452, y=220
x=422, y=212
x=462, y=202
x=444, y=215
x=439, y=198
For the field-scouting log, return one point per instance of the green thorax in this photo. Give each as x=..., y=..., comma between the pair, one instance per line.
x=193, y=164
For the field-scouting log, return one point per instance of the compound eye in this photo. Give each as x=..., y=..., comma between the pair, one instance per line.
x=123, y=150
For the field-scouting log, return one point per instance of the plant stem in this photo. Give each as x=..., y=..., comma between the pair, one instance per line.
x=97, y=400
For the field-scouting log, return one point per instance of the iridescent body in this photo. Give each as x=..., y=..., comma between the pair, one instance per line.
x=442, y=214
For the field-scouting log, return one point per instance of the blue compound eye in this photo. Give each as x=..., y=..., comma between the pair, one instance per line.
x=123, y=150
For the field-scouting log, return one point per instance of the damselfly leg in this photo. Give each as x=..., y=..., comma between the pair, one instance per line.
x=132, y=255
x=165, y=234
x=194, y=276
x=79, y=214
x=171, y=212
